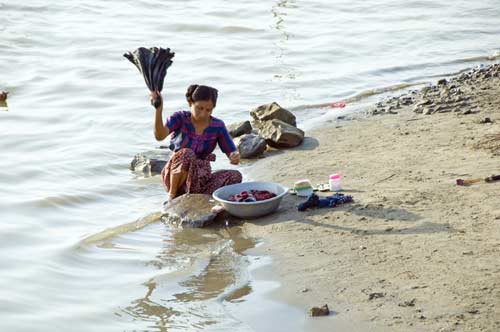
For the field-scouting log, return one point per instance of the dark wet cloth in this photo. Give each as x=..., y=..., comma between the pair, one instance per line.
x=152, y=63
x=330, y=201
x=252, y=196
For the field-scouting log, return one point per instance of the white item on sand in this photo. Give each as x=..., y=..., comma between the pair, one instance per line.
x=334, y=181
x=303, y=188
x=250, y=209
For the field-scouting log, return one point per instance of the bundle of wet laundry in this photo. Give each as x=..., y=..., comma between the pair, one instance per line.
x=153, y=64
x=321, y=202
x=251, y=196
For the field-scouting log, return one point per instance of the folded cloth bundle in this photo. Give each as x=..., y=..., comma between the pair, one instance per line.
x=251, y=196
x=330, y=201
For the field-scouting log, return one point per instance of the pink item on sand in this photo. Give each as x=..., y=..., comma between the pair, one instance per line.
x=338, y=104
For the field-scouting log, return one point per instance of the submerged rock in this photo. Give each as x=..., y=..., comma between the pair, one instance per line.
x=273, y=111
x=190, y=210
x=239, y=128
x=150, y=163
x=250, y=145
x=279, y=134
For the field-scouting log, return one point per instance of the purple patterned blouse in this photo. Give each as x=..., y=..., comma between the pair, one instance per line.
x=183, y=135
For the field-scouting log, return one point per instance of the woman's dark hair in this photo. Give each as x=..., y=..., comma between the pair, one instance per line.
x=197, y=92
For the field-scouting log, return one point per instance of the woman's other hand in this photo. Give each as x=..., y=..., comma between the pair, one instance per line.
x=234, y=157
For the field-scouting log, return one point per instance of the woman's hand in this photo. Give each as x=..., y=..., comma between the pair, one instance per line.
x=234, y=157
x=156, y=100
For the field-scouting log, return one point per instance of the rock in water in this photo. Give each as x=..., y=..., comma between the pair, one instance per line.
x=317, y=311
x=190, y=210
x=279, y=134
x=250, y=145
x=273, y=111
x=3, y=96
x=150, y=163
x=239, y=128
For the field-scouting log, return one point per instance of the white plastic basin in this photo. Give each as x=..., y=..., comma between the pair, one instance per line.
x=250, y=209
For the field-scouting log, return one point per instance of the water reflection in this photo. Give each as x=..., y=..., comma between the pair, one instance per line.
x=148, y=310
x=213, y=263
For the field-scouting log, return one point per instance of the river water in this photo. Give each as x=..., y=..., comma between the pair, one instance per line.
x=78, y=112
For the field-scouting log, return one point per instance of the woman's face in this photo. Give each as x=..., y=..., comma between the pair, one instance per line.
x=202, y=109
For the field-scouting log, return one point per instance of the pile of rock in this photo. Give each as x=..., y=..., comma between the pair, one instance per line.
x=272, y=125
x=445, y=96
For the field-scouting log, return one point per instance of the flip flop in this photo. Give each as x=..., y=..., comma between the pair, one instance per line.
x=323, y=187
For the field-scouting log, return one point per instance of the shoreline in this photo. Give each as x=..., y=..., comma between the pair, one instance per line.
x=410, y=231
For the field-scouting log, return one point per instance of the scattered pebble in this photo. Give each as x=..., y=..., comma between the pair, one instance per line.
x=442, y=97
x=486, y=120
x=410, y=303
x=319, y=311
x=373, y=296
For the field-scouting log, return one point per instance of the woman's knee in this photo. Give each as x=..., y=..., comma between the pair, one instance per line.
x=235, y=176
x=182, y=159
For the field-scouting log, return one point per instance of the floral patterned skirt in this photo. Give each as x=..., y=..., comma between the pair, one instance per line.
x=200, y=179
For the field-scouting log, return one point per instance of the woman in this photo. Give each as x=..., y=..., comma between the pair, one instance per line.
x=194, y=136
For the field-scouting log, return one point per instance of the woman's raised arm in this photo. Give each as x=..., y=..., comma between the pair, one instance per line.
x=160, y=131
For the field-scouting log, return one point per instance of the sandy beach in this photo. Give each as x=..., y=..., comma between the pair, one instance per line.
x=414, y=252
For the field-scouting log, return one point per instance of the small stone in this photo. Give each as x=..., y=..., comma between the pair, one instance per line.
x=442, y=81
x=427, y=111
x=410, y=303
x=373, y=296
x=3, y=96
x=250, y=145
x=239, y=128
x=388, y=229
x=468, y=252
x=424, y=102
x=362, y=247
x=486, y=120
x=319, y=311
x=304, y=290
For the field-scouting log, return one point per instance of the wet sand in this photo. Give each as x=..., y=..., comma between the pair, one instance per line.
x=414, y=252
